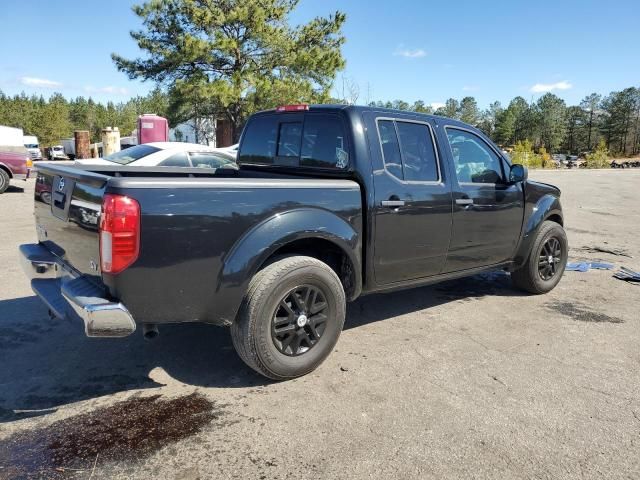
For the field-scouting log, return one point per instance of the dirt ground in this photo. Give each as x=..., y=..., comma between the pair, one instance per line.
x=468, y=379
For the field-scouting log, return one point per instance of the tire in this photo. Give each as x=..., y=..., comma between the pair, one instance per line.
x=46, y=197
x=4, y=180
x=275, y=340
x=537, y=275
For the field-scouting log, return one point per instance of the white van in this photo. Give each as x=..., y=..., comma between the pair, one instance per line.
x=33, y=146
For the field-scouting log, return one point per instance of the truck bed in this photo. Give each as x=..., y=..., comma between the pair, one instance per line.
x=199, y=229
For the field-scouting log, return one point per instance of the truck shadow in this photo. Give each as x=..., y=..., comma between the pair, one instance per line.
x=49, y=363
x=14, y=189
x=377, y=307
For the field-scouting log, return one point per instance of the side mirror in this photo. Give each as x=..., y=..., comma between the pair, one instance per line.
x=518, y=173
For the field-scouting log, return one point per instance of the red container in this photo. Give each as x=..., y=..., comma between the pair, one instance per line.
x=152, y=128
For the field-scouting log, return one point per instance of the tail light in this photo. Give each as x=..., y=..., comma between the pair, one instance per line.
x=119, y=233
x=29, y=162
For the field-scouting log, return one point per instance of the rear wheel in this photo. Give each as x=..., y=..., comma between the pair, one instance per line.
x=548, y=257
x=291, y=318
x=4, y=180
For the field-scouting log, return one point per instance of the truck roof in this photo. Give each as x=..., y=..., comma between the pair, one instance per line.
x=390, y=111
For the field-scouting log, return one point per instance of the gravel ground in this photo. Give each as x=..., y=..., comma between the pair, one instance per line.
x=468, y=379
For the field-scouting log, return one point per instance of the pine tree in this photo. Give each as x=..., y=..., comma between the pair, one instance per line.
x=241, y=55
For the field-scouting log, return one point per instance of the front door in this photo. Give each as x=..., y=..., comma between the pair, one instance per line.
x=412, y=211
x=488, y=211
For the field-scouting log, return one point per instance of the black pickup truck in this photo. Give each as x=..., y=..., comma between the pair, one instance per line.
x=327, y=203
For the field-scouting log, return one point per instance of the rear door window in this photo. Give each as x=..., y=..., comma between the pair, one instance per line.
x=390, y=148
x=418, y=152
x=318, y=140
x=408, y=150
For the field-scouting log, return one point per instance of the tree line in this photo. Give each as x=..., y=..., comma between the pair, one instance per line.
x=56, y=118
x=549, y=122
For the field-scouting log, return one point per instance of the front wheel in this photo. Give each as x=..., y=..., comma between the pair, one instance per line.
x=291, y=318
x=547, y=260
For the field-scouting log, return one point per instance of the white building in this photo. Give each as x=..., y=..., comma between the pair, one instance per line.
x=201, y=130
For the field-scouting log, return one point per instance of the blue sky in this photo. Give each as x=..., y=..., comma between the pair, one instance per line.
x=399, y=49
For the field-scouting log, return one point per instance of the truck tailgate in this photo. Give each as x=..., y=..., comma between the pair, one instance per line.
x=67, y=212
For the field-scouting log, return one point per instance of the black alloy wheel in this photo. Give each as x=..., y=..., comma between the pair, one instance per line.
x=299, y=320
x=549, y=259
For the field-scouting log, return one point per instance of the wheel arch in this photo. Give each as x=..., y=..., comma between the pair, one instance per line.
x=306, y=231
x=546, y=208
x=6, y=169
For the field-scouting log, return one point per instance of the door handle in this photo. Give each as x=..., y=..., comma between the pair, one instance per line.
x=464, y=201
x=392, y=203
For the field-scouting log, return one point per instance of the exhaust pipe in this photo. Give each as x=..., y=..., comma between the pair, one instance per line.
x=150, y=331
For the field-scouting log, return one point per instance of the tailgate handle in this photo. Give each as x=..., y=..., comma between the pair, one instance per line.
x=59, y=200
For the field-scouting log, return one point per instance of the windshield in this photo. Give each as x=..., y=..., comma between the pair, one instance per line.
x=31, y=145
x=124, y=157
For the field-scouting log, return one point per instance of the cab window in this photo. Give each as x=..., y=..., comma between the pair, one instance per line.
x=474, y=160
x=408, y=150
x=311, y=140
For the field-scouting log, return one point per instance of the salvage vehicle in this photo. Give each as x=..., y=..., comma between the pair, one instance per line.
x=327, y=203
x=13, y=166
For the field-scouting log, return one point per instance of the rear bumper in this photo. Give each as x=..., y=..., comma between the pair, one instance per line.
x=70, y=295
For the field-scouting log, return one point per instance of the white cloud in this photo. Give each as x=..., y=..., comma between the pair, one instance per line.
x=39, y=82
x=470, y=88
x=409, y=53
x=109, y=89
x=436, y=105
x=548, y=87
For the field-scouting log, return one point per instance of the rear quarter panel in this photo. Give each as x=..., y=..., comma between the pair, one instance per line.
x=189, y=268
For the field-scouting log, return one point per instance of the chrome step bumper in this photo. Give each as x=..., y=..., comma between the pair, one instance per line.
x=69, y=294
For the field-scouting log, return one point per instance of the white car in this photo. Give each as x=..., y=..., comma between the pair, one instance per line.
x=167, y=154
x=57, y=153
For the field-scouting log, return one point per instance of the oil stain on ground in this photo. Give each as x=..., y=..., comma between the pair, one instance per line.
x=582, y=313
x=128, y=430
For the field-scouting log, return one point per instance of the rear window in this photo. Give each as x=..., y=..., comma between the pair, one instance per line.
x=124, y=157
x=312, y=141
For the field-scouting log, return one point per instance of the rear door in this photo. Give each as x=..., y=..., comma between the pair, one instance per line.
x=412, y=210
x=488, y=211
